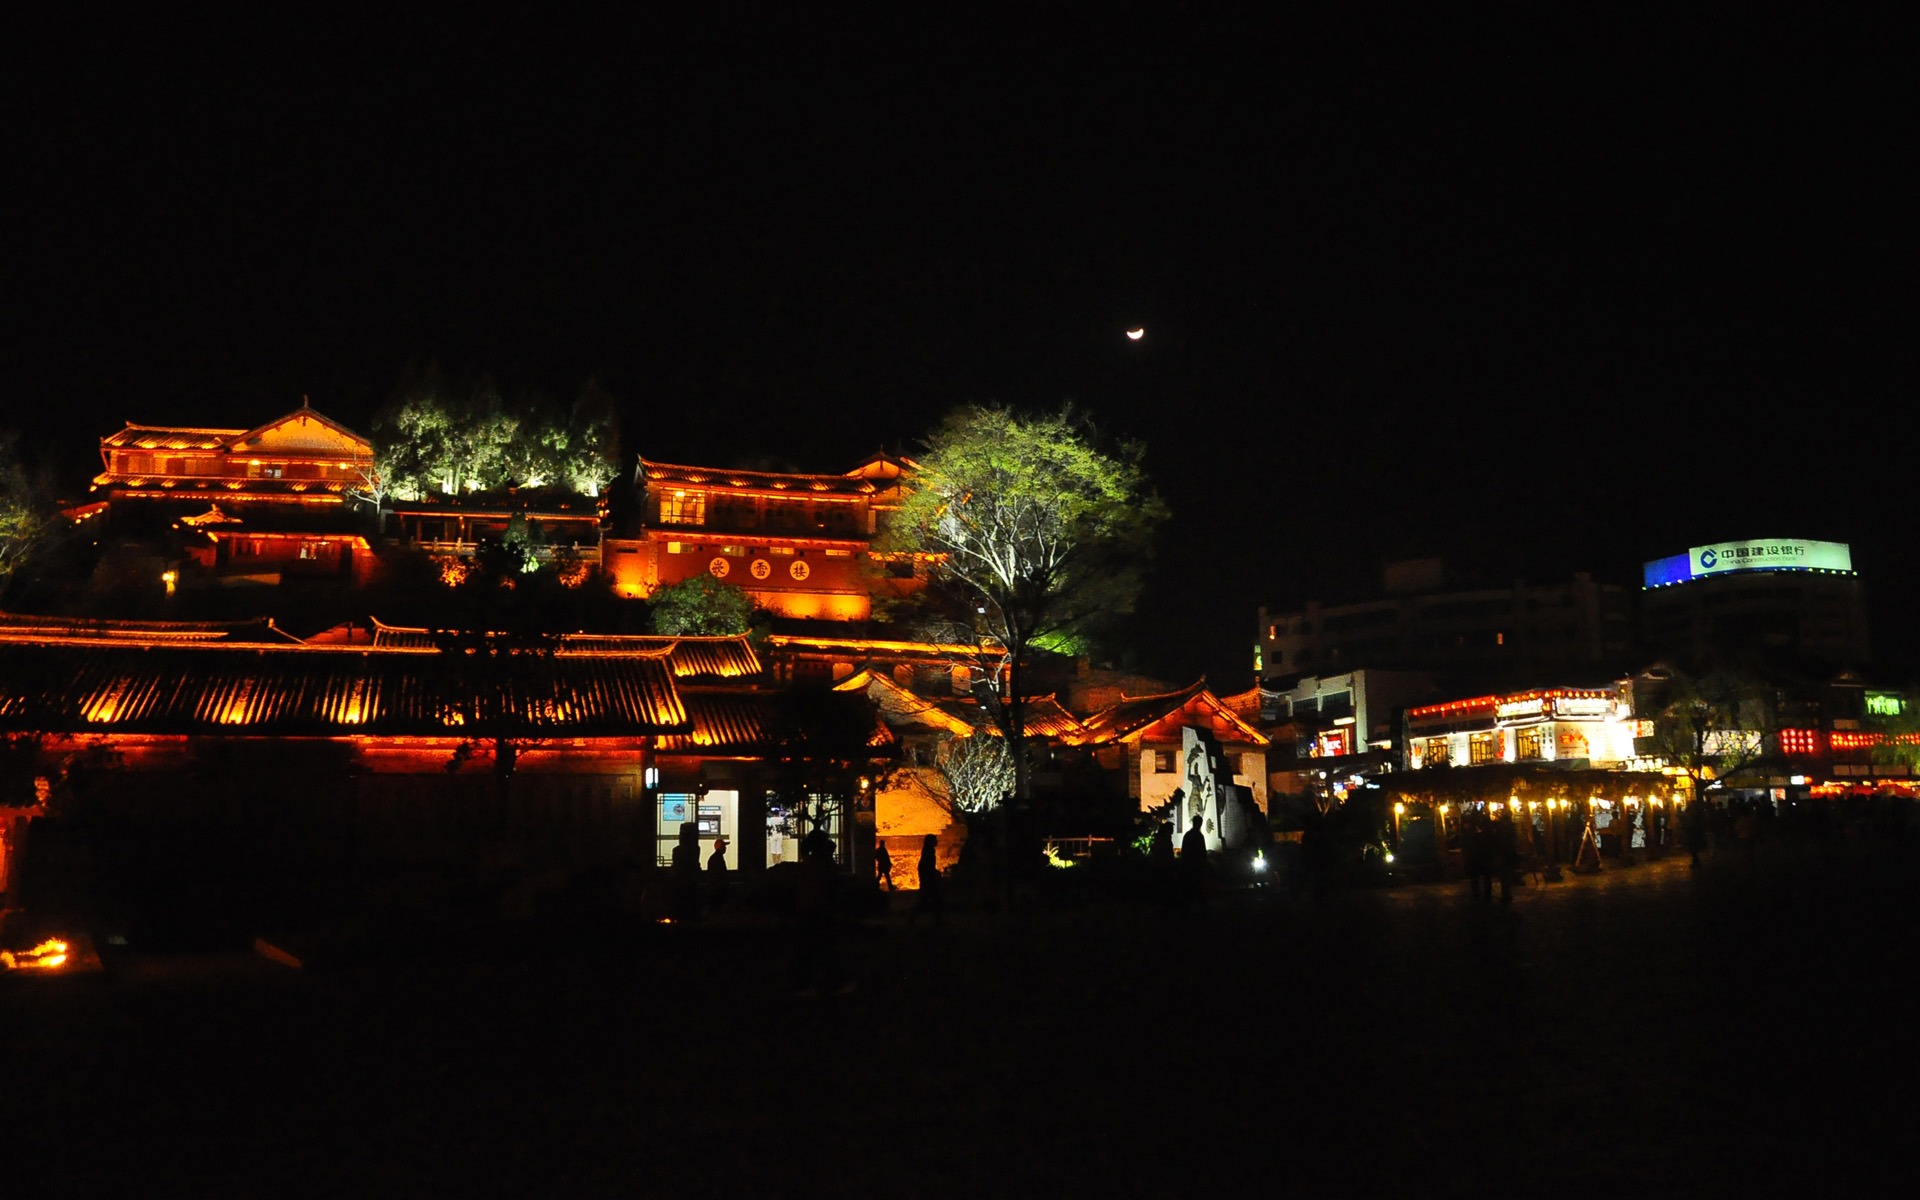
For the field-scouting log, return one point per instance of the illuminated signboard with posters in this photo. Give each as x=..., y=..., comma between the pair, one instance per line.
x=1763, y=554
x=1885, y=704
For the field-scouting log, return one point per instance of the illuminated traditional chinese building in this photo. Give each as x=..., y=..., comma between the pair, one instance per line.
x=800, y=545
x=245, y=504
x=303, y=461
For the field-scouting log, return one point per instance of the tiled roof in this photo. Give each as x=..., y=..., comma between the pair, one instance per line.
x=880, y=650
x=732, y=721
x=27, y=627
x=170, y=437
x=1120, y=721
x=99, y=686
x=745, y=722
x=1045, y=718
x=692, y=658
x=762, y=481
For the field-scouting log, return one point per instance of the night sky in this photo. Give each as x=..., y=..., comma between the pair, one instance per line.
x=1541, y=294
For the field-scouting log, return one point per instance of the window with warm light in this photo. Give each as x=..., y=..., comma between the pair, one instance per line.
x=1483, y=748
x=683, y=508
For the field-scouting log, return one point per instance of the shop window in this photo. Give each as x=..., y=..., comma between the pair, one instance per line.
x=713, y=815
x=1530, y=742
x=1483, y=748
x=1438, y=752
x=788, y=824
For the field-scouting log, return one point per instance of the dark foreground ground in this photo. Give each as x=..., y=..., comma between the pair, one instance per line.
x=1748, y=1029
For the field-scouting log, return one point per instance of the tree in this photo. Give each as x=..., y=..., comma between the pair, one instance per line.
x=435, y=435
x=1036, y=531
x=1708, y=725
x=22, y=522
x=589, y=456
x=977, y=770
x=701, y=607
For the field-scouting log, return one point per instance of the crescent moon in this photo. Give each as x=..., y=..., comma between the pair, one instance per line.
x=1134, y=335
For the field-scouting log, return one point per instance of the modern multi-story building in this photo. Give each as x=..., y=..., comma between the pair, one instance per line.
x=1425, y=620
x=1755, y=602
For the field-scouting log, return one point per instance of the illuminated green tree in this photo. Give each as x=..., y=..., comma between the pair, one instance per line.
x=701, y=606
x=436, y=435
x=587, y=456
x=22, y=521
x=1036, y=531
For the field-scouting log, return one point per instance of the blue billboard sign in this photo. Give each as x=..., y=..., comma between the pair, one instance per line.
x=1759, y=554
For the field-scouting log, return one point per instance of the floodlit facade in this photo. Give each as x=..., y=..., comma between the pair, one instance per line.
x=302, y=461
x=800, y=545
x=1576, y=728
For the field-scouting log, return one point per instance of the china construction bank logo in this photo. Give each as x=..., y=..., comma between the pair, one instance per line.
x=1708, y=558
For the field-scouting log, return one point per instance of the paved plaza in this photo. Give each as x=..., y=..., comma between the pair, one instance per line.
x=1743, y=1029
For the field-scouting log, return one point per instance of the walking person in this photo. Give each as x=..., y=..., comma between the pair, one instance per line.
x=882, y=864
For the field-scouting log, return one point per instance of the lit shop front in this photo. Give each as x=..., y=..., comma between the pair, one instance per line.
x=1574, y=727
x=729, y=813
x=1556, y=762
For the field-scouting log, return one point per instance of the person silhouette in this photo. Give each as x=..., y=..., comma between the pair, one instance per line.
x=1479, y=856
x=1193, y=864
x=684, y=873
x=1162, y=867
x=882, y=864
x=932, y=903
x=717, y=875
